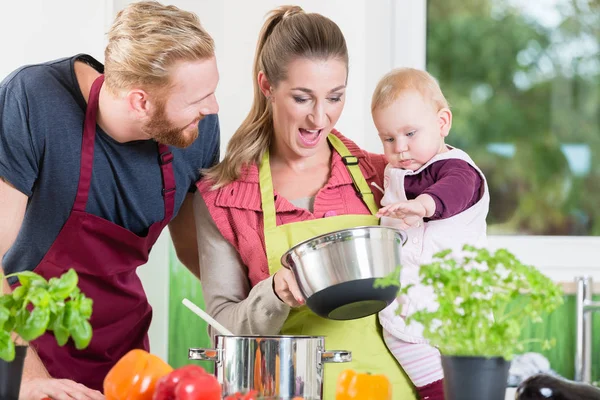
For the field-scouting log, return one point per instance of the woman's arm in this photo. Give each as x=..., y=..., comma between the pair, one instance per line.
x=225, y=285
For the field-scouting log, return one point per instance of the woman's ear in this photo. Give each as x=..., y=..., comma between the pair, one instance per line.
x=445, y=121
x=264, y=85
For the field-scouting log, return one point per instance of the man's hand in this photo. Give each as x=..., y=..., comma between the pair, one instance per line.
x=56, y=389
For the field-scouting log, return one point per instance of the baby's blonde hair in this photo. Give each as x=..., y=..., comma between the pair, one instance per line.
x=398, y=80
x=146, y=40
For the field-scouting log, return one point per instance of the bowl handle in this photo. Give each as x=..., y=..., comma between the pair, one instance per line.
x=336, y=356
x=203, y=354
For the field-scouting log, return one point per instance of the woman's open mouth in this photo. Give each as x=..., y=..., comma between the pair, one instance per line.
x=310, y=137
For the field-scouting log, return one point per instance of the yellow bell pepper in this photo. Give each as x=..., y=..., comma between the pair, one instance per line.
x=352, y=385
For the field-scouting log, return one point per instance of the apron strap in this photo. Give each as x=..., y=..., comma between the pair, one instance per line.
x=267, y=194
x=165, y=160
x=358, y=180
x=363, y=190
x=87, y=146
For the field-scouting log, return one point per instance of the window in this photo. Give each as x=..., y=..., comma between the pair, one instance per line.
x=523, y=80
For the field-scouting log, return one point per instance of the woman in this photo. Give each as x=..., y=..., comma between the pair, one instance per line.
x=284, y=180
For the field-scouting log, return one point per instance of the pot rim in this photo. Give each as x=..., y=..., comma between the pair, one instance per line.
x=270, y=336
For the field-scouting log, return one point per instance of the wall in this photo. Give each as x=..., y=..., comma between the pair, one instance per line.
x=37, y=30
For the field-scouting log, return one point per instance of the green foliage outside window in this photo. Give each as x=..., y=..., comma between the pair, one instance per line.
x=523, y=81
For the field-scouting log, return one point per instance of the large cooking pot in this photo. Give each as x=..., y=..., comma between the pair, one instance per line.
x=278, y=367
x=336, y=271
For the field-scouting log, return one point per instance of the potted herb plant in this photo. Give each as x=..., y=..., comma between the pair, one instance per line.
x=34, y=307
x=484, y=299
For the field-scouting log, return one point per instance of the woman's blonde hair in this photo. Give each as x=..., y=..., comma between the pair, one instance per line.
x=288, y=34
x=398, y=80
x=146, y=39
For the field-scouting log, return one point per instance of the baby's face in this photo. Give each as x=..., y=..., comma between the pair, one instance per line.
x=412, y=130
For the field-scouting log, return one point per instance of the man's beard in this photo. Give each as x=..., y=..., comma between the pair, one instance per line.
x=163, y=131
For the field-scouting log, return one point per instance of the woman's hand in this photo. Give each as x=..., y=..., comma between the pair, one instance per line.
x=286, y=288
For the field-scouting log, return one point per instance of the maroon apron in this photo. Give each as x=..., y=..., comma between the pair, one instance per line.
x=105, y=256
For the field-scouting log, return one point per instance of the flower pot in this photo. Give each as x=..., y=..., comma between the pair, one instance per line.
x=10, y=375
x=474, y=378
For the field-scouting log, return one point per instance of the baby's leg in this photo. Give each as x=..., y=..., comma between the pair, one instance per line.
x=422, y=363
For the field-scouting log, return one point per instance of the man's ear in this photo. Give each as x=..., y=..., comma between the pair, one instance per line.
x=139, y=103
x=445, y=121
x=264, y=84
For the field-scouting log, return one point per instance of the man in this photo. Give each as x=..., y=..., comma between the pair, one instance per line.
x=95, y=195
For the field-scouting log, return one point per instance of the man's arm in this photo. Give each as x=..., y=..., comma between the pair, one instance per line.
x=183, y=234
x=12, y=211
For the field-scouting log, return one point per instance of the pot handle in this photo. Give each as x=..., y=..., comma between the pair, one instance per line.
x=336, y=356
x=203, y=354
x=404, y=237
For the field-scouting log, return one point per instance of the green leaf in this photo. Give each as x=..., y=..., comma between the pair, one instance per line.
x=29, y=278
x=85, y=306
x=393, y=279
x=64, y=286
x=39, y=296
x=61, y=333
x=35, y=325
x=19, y=293
x=7, y=347
x=81, y=333
x=4, y=316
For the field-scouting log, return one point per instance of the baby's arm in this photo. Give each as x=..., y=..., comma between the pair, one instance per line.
x=457, y=186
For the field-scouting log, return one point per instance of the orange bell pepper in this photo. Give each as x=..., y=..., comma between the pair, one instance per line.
x=356, y=386
x=134, y=376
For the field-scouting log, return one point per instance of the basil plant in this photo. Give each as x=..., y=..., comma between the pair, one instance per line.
x=38, y=305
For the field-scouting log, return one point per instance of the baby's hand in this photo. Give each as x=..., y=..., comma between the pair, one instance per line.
x=410, y=212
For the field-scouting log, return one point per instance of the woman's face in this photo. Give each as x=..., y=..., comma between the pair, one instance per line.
x=307, y=105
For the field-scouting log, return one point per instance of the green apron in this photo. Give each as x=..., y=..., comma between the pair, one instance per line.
x=363, y=337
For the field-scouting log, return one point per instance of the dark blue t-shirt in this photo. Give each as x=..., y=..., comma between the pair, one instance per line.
x=41, y=122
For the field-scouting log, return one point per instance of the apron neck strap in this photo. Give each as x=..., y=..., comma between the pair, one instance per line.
x=87, y=145
x=351, y=162
x=362, y=188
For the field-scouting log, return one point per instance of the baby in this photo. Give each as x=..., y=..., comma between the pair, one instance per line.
x=432, y=191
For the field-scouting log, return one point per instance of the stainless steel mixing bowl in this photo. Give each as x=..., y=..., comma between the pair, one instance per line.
x=336, y=271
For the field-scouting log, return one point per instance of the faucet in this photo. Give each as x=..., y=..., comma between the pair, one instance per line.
x=583, y=350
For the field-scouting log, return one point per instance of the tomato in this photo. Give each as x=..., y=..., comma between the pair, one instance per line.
x=198, y=387
x=190, y=382
x=251, y=395
x=165, y=388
